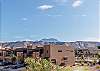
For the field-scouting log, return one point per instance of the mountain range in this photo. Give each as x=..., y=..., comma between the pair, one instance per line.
x=76, y=44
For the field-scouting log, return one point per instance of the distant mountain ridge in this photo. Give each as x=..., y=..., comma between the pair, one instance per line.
x=84, y=44
x=98, y=43
x=49, y=40
x=77, y=44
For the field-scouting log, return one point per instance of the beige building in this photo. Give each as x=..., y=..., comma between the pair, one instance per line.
x=56, y=53
x=59, y=54
x=5, y=54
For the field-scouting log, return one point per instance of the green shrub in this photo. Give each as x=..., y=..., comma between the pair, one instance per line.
x=38, y=64
x=97, y=67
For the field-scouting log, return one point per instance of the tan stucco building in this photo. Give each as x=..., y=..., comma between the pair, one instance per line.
x=56, y=53
x=59, y=54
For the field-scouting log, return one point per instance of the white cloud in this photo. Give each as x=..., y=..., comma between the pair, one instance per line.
x=76, y=3
x=83, y=15
x=24, y=19
x=45, y=7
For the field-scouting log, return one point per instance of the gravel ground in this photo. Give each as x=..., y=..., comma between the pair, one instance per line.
x=85, y=68
x=75, y=68
x=19, y=69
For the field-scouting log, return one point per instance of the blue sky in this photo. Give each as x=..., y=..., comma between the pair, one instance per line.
x=66, y=20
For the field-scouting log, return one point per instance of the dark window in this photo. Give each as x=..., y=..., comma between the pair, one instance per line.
x=65, y=58
x=59, y=50
x=71, y=51
x=8, y=53
x=98, y=47
x=0, y=53
x=53, y=61
x=47, y=58
x=29, y=53
x=47, y=51
x=62, y=64
x=41, y=52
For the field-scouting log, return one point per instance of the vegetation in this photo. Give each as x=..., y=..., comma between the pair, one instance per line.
x=13, y=58
x=98, y=47
x=98, y=67
x=38, y=64
x=45, y=65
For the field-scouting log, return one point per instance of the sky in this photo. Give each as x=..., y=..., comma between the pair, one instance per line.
x=65, y=20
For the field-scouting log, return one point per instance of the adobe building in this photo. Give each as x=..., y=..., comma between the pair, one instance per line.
x=5, y=54
x=59, y=54
x=22, y=53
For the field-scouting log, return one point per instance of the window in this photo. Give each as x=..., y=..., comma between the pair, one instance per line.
x=65, y=58
x=53, y=61
x=47, y=51
x=8, y=53
x=29, y=53
x=59, y=50
x=0, y=53
x=71, y=51
x=62, y=64
x=98, y=47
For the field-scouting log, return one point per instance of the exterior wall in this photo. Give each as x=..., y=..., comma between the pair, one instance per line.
x=35, y=55
x=19, y=54
x=4, y=56
x=61, y=53
x=46, y=52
